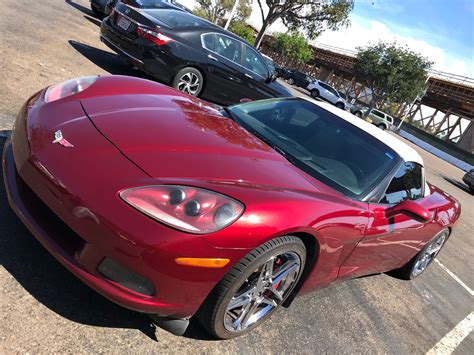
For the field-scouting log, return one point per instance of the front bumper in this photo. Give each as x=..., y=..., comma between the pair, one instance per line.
x=81, y=242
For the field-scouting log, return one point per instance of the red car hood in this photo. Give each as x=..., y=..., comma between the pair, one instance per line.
x=184, y=138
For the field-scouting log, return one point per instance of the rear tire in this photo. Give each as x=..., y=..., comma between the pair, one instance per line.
x=382, y=126
x=315, y=93
x=100, y=15
x=423, y=259
x=358, y=114
x=340, y=105
x=291, y=81
x=251, y=290
x=189, y=80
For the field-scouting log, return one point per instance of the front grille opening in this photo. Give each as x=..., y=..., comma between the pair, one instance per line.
x=68, y=240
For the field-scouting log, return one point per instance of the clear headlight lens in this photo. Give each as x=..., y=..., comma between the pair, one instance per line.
x=68, y=88
x=186, y=208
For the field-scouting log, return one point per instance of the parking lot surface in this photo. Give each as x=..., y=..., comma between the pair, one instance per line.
x=43, y=308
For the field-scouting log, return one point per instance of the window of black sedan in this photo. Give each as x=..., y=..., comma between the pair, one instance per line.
x=322, y=144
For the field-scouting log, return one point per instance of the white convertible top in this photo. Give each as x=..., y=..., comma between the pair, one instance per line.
x=406, y=152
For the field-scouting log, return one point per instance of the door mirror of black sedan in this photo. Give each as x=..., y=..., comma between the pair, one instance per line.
x=411, y=208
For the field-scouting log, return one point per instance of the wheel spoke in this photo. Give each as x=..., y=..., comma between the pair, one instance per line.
x=248, y=314
x=241, y=300
x=284, y=270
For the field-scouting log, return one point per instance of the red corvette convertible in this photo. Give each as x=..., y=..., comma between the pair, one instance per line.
x=170, y=206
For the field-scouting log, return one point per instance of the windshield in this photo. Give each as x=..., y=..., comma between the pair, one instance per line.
x=322, y=144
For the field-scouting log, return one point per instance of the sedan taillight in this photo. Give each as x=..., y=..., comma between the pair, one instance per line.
x=154, y=36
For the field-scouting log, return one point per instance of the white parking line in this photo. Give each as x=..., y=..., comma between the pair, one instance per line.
x=451, y=340
x=457, y=279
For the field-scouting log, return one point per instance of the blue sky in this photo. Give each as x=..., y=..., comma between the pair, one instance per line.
x=442, y=23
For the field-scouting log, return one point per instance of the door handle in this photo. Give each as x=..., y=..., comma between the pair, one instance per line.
x=248, y=76
x=212, y=57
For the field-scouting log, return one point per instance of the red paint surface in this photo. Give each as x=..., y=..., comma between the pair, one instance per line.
x=156, y=135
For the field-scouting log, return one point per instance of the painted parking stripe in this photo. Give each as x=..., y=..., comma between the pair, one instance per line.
x=457, y=279
x=451, y=340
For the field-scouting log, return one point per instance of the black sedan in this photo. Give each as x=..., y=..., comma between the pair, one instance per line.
x=468, y=179
x=190, y=54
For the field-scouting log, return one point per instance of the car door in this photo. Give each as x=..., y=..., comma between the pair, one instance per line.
x=327, y=94
x=225, y=78
x=388, y=243
x=256, y=76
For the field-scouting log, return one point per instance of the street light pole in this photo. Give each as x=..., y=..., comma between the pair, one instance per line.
x=232, y=13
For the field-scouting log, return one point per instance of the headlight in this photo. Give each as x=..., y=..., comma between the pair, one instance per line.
x=68, y=88
x=189, y=209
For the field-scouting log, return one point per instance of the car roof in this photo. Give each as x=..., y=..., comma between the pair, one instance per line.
x=406, y=152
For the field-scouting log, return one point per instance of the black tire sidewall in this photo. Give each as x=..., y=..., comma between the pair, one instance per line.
x=217, y=327
x=314, y=93
x=188, y=70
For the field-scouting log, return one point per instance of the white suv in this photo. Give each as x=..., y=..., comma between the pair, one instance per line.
x=322, y=90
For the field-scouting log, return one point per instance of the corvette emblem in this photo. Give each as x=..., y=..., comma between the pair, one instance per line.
x=58, y=138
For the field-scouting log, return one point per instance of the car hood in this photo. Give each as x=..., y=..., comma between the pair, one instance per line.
x=172, y=137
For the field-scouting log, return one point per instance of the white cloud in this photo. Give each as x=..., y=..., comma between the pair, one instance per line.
x=363, y=32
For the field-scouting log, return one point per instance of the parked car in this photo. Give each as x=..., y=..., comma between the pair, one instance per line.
x=468, y=179
x=102, y=8
x=282, y=72
x=298, y=78
x=168, y=206
x=190, y=54
x=320, y=89
x=376, y=117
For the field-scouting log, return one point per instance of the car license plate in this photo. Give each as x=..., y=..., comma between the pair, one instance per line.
x=123, y=23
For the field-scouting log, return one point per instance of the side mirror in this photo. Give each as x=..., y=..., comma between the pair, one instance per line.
x=411, y=208
x=270, y=78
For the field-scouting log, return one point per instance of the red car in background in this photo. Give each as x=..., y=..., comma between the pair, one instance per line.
x=170, y=206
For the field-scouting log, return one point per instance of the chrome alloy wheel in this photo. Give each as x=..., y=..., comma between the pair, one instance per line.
x=428, y=255
x=189, y=83
x=262, y=292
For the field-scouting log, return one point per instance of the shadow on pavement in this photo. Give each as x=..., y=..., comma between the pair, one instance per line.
x=93, y=20
x=458, y=184
x=81, y=8
x=108, y=61
x=55, y=287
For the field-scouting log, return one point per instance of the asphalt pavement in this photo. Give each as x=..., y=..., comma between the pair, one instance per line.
x=44, y=308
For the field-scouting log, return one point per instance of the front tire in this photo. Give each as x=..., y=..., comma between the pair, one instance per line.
x=291, y=81
x=315, y=93
x=423, y=259
x=251, y=291
x=382, y=126
x=358, y=114
x=340, y=105
x=189, y=80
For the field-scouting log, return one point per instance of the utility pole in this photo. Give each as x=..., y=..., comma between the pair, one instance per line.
x=232, y=13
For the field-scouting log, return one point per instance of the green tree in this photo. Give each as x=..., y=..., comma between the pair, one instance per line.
x=216, y=10
x=243, y=30
x=308, y=16
x=292, y=45
x=392, y=72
